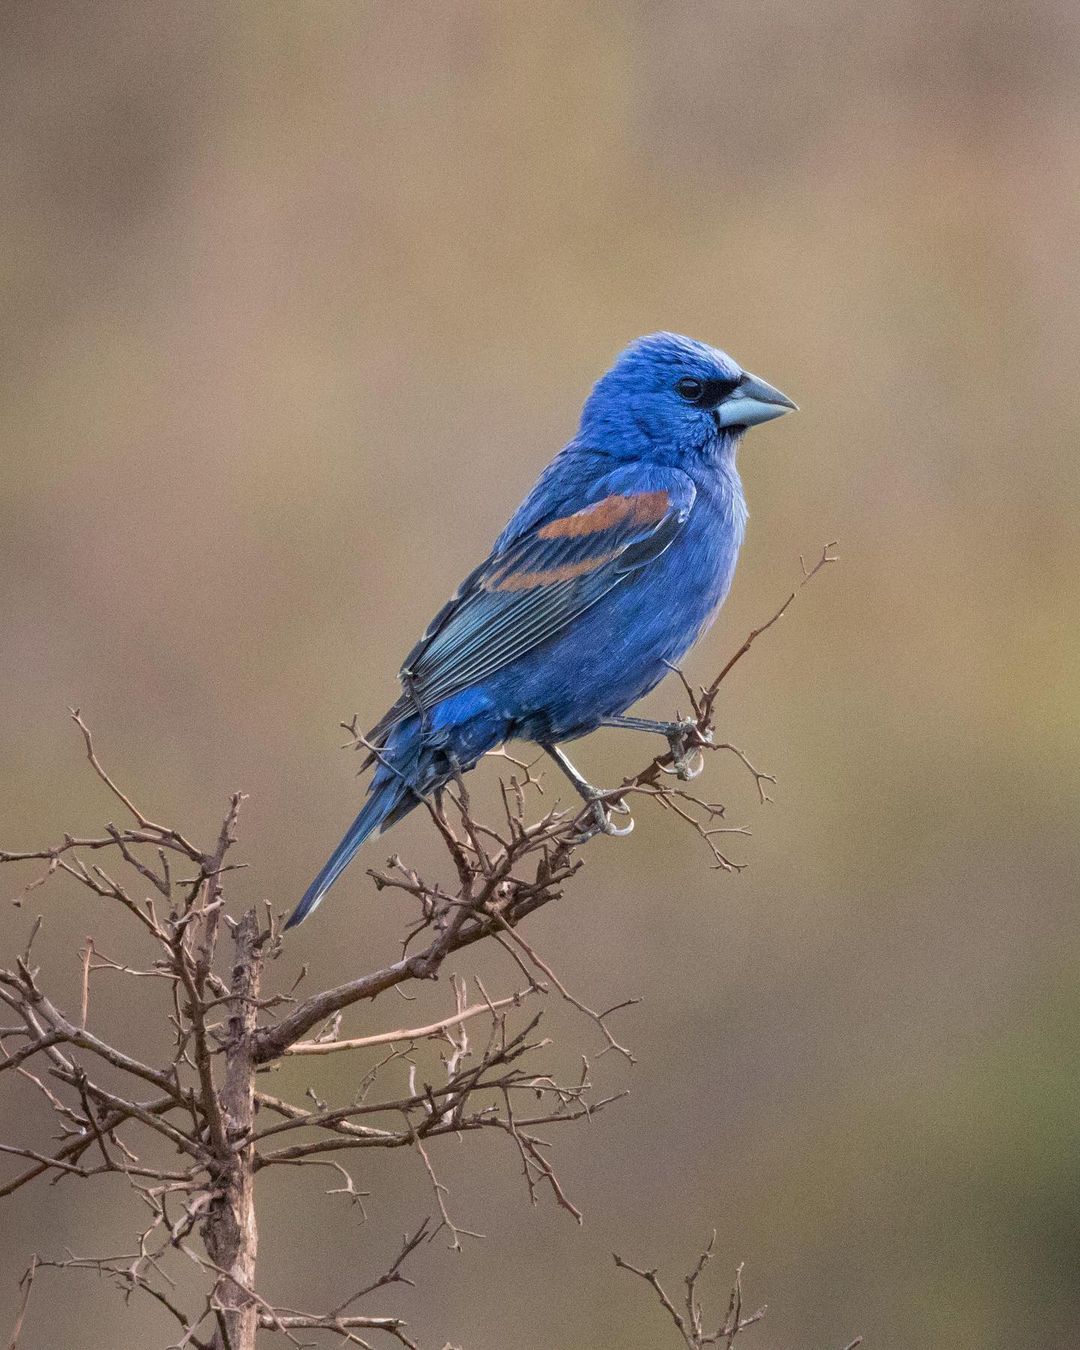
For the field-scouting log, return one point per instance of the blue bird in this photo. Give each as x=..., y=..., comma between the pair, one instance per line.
x=611, y=569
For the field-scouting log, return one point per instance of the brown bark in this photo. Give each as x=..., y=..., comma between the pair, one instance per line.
x=230, y=1231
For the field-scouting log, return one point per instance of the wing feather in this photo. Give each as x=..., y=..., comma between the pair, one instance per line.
x=527, y=592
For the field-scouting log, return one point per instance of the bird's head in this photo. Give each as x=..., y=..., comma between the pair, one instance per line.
x=669, y=398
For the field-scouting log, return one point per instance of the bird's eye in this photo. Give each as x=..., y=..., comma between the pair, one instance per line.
x=690, y=389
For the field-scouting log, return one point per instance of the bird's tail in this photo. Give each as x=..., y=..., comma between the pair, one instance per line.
x=383, y=799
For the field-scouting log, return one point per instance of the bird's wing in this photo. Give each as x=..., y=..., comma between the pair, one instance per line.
x=540, y=581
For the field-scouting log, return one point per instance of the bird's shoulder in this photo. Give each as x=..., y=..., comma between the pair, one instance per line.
x=579, y=478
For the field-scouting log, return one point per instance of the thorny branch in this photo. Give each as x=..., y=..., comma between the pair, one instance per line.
x=187, y=1128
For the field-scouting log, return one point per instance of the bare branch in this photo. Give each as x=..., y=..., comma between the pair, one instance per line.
x=220, y=1034
x=165, y=834
x=808, y=576
x=26, y=1284
x=407, y=1033
x=690, y=1323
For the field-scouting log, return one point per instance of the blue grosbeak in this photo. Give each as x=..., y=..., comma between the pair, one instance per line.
x=612, y=567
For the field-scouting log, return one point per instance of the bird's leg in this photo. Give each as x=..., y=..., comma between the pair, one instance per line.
x=602, y=822
x=685, y=739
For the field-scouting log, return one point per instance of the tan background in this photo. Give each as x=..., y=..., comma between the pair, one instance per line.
x=297, y=300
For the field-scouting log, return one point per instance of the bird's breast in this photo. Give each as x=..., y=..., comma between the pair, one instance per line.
x=622, y=646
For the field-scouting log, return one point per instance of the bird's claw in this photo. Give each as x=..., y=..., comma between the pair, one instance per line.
x=685, y=740
x=598, y=819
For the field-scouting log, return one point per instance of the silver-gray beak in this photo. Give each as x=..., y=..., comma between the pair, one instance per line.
x=751, y=402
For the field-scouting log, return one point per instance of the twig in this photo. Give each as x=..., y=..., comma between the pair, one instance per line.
x=441, y=1192
x=690, y=1324
x=407, y=1033
x=598, y=1018
x=26, y=1284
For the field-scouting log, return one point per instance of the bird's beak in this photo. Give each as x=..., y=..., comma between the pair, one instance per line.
x=753, y=401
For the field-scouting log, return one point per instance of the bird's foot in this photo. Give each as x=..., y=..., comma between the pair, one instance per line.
x=597, y=817
x=685, y=740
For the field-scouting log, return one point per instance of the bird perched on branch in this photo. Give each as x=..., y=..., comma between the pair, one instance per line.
x=612, y=567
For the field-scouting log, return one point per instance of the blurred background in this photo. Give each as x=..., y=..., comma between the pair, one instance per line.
x=297, y=301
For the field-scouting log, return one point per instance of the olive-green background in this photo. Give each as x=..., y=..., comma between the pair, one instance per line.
x=297, y=300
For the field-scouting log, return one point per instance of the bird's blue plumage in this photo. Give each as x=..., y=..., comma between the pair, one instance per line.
x=611, y=568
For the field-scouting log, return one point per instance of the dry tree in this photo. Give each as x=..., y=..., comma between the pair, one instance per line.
x=189, y=1129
